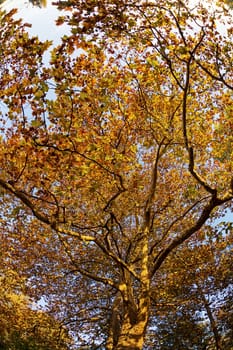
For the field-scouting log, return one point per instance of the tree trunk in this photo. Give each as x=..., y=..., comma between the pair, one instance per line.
x=128, y=324
x=132, y=336
x=130, y=312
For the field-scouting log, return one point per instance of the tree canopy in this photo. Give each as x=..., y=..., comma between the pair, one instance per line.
x=116, y=162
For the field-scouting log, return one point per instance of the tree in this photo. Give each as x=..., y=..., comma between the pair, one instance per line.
x=21, y=326
x=25, y=329
x=114, y=156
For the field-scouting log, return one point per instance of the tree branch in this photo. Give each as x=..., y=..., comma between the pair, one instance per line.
x=205, y=214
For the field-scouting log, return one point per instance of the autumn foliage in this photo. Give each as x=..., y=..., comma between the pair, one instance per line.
x=116, y=162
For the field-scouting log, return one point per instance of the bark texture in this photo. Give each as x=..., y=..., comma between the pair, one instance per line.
x=128, y=324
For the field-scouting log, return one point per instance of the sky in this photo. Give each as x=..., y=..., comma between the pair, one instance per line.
x=42, y=19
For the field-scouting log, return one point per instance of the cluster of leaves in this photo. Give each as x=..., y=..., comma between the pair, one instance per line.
x=113, y=159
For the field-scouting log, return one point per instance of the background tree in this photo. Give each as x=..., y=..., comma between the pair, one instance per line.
x=113, y=158
x=23, y=326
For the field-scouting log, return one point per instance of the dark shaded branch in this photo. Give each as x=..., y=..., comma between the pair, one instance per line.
x=214, y=202
x=84, y=272
x=153, y=181
x=83, y=155
x=184, y=105
x=177, y=220
x=196, y=176
x=51, y=220
x=20, y=195
x=22, y=170
x=213, y=76
x=213, y=323
x=117, y=259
